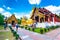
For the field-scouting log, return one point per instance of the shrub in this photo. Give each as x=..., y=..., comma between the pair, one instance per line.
x=9, y=26
x=17, y=36
x=45, y=29
x=28, y=28
x=48, y=29
x=57, y=26
x=22, y=26
x=14, y=33
x=51, y=27
x=54, y=27
x=12, y=30
x=25, y=27
x=33, y=29
x=41, y=30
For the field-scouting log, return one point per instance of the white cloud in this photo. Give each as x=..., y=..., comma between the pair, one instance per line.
x=8, y=8
x=1, y=10
x=53, y=9
x=19, y=15
x=27, y=15
x=34, y=1
x=5, y=13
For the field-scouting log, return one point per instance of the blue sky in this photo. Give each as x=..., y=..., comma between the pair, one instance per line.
x=20, y=7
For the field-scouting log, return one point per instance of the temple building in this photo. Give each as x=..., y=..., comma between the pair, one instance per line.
x=25, y=21
x=44, y=15
x=11, y=20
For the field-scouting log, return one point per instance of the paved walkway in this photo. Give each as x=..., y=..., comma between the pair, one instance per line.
x=55, y=34
x=28, y=35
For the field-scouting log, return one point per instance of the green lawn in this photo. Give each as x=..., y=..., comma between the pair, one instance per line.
x=6, y=34
x=37, y=30
x=41, y=30
x=1, y=27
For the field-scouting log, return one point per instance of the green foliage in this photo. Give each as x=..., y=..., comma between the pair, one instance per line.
x=12, y=30
x=41, y=30
x=37, y=30
x=19, y=21
x=57, y=26
x=1, y=19
x=33, y=29
x=1, y=27
x=45, y=29
x=29, y=28
x=17, y=36
x=25, y=27
x=14, y=33
x=22, y=26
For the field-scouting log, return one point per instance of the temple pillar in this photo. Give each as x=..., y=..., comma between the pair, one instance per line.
x=49, y=19
x=44, y=18
x=54, y=19
x=39, y=19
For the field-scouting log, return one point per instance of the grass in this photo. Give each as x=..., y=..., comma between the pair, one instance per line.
x=37, y=30
x=1, y=27
x=4, y=35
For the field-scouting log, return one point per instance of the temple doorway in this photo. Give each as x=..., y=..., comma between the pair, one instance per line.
x=37, y=18
x=13, y=22
x=41, y=20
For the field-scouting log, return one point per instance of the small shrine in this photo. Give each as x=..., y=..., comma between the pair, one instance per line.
x=11, y=20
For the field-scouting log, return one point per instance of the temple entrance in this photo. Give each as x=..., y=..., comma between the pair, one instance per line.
x=41, y=20
x=13, y=22
x=37, y=18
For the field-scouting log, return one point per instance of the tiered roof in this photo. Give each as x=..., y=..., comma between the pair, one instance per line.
x=43, y=11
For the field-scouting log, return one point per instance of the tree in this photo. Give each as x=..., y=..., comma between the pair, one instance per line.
x=19, y=21
x=1, y=19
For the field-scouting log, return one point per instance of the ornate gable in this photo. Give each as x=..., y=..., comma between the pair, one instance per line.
x=12, y=18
